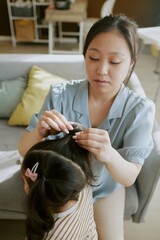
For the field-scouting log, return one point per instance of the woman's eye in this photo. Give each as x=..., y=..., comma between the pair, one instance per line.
x=115, y=62
x=94, y=59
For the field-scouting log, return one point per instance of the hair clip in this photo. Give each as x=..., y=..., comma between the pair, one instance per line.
x=34, y=168
x=32, y=173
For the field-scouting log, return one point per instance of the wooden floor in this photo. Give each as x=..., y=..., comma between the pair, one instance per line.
x=150, y=230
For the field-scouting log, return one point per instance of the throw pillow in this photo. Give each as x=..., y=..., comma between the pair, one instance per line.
x=33, y=97
x=10, y=94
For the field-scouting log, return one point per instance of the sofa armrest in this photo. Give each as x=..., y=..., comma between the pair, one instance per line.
x=135, y=85
x=148, y=178
x=149, y=175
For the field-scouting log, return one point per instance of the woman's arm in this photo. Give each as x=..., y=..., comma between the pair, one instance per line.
x=27, y=140
x=97, y=141
x=122, y=171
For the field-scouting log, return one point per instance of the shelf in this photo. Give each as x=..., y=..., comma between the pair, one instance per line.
x=42, y=26
x=20, y=18
x=31, y=18
x=42, y=4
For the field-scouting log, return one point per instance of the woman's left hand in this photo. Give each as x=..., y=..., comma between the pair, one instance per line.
x=96, y=141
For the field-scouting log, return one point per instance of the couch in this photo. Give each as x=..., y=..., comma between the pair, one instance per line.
x=139, y=195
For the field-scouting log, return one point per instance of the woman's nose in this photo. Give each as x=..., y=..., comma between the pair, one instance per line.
x=103, y=69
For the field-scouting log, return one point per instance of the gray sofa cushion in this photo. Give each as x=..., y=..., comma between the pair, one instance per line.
x=9, y=135
x=131, y=203
x=13, y=205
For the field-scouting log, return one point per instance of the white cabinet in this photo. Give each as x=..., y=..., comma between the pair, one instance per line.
x=27, y=22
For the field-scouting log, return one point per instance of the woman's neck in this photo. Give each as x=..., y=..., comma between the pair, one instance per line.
x=99, y=104
x=102, y=97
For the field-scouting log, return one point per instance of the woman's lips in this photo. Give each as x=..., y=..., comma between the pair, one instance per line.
x=97, y=81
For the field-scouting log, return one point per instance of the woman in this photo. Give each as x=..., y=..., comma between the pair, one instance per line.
x=119, y=121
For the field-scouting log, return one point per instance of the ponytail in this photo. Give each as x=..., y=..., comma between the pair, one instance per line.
x=39, y=218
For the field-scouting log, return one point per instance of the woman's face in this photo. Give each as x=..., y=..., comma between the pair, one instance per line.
x=108, y=61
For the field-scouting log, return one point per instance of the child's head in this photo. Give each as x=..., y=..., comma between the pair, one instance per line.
x=52, y=181
x=67, y=147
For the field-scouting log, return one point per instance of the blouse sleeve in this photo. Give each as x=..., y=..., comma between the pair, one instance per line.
x=137, y=142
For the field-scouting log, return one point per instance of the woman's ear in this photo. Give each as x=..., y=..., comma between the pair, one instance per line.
x=131, y=65
x=130, y=70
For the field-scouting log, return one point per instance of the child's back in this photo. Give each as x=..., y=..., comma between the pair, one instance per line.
x=77, y=222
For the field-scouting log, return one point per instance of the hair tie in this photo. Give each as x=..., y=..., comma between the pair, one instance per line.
x=32, y=173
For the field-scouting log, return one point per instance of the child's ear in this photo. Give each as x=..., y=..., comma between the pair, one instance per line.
x=26, y=187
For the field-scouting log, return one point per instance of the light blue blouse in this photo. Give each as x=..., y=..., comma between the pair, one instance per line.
x=129, y=124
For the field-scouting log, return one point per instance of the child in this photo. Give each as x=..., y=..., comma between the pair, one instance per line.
x=59, y=201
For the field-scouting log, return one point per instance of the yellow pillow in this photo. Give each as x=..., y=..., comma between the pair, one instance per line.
x=33, y=97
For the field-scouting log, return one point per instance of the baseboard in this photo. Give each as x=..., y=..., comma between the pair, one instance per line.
x=66, y=40
x=5, y=38
x=63, y=39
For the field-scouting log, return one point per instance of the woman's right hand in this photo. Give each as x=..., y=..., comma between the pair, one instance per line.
x=51, y=122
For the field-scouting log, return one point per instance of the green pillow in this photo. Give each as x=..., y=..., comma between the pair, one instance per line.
x=11, y=92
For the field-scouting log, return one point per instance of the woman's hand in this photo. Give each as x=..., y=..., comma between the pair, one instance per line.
x=97, y=142
x=52, y=122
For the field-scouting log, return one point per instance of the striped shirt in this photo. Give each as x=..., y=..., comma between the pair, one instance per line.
x=76, y=223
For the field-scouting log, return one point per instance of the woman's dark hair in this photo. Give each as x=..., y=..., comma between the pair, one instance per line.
x=120, y=23
x=59, y=180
